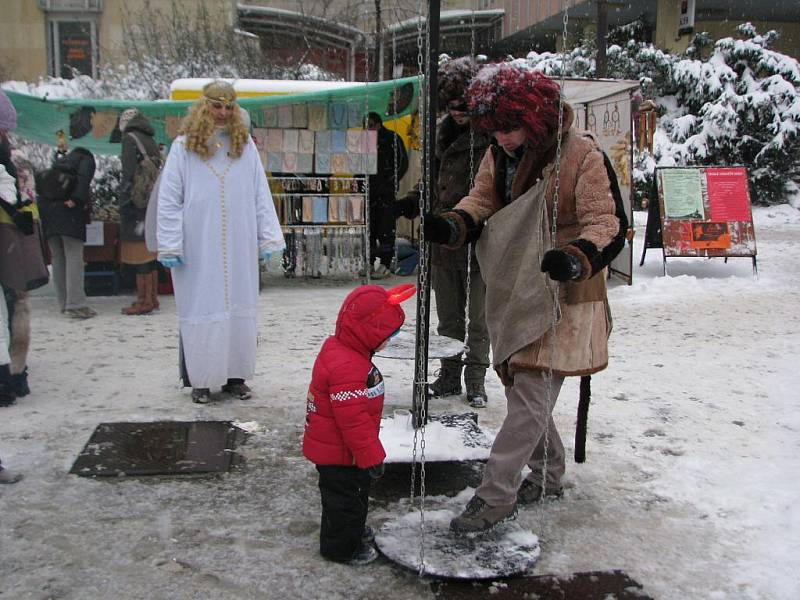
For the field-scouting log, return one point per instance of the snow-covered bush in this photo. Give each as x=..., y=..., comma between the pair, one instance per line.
x=741, y=105
x=729, y=102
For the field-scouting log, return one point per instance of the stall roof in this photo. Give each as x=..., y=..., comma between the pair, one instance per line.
x=188, y=89
x=583, y=91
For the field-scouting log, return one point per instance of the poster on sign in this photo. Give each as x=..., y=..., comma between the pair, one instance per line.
x=704, y=211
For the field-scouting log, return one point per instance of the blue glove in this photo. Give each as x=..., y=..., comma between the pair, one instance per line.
x=170, y=261
x=264, y=255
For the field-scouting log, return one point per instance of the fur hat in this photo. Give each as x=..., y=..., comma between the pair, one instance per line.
x=8, y=114
x=504, y=97
x=454, y=77
x=219, y=90
x=126, y=117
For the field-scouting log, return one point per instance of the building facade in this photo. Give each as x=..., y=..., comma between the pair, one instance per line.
x=62, y=37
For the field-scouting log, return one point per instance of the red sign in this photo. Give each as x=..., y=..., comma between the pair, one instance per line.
x=728, y=195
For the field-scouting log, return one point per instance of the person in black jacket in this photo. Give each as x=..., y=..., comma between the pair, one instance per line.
x=392, y=166
x=64, y=223
x=459, y=150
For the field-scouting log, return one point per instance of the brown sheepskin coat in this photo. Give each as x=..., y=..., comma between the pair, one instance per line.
x=586, y=224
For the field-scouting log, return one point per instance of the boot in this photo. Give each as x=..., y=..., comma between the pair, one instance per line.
x=7, y=476
x=476, y=394
x=19, y=383
x=135, y=308
x=7, y=395
x=364, y=555
x=201, y=395
x=147, y=302
x=480, y=516
x=530, y=492
x=448, y=381
x=154, y=291
x=238, y=389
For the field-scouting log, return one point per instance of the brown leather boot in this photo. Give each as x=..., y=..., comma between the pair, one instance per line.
x=147, y=298
x=154, y=293
x=134, y=309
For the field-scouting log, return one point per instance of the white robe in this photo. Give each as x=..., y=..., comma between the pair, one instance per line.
x=216, y=215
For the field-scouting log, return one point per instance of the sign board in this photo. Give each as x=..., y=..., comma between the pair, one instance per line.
x=94, y=234
x=603, y=107
x=610, y=120
x=703, y=211
x=75, y=47
x=686, y=17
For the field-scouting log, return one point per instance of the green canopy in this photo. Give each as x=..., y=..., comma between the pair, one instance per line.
x=92, y=123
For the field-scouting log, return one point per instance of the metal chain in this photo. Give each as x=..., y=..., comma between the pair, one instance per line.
x=467, y=299
x=419, y=433
x=368, y=228
x=553, y=232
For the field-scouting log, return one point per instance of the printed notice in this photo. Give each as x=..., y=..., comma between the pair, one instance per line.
x=708, y=235
x=94, y=233
x=728, y=195
x=682, y=193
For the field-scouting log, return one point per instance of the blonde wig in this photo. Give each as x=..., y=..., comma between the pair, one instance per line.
x=198, y=126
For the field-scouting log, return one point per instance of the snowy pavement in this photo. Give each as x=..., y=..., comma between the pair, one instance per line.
x=690, y=484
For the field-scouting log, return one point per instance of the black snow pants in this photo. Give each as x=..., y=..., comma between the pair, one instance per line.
x=345, y=501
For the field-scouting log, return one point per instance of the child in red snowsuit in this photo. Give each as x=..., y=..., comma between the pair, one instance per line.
x=343, y=416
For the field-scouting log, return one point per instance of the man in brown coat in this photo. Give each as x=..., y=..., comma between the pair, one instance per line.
x=459, y=151
x=546, y=304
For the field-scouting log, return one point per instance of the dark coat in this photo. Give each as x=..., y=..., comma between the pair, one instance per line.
x=57, y=218
x=391, y=150
x=129, y=214
x=452, y=178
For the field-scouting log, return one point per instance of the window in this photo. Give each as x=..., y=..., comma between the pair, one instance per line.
x=72, y=45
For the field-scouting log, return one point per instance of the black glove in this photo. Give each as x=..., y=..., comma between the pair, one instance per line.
x=23, y=221
x=561, y=266
x=439, y=230
x=405, y=207
x=377, y=471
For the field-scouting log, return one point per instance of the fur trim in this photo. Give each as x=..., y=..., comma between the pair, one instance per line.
x=587, y=253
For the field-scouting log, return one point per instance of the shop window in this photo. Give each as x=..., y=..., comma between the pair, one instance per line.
x=72, y=47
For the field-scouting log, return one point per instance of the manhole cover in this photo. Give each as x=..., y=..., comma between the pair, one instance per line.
x=159, y=448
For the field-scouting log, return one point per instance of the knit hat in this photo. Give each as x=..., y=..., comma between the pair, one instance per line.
x=219, y=90
x=454, y=77
x=126, y=117
x=505, y=96
x=8, y=114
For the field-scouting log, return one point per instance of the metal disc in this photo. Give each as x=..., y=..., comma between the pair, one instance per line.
x=504, y=551
x=404, y=344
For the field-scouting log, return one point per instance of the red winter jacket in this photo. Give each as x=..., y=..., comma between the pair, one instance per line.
x=345, y=398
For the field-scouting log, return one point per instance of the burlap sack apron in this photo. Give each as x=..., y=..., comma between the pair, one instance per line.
x=519, y=297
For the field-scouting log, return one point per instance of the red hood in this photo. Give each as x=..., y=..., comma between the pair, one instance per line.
x=369, y=315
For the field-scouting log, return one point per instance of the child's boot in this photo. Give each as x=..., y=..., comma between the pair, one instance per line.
x=364, y=555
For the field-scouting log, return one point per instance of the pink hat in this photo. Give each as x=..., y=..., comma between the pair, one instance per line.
x=8, y=114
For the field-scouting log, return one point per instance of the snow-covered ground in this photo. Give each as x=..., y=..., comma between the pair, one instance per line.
x=690, y=486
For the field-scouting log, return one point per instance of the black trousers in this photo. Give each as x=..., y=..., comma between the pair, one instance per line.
x=382, y=228
x=345, y=501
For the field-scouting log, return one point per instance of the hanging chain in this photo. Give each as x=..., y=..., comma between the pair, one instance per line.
x=423, y=105
x=553, y=232
x=368, y=228
x=468, y=283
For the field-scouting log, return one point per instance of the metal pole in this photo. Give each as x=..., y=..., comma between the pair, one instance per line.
x=420, y=402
